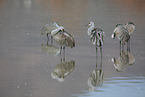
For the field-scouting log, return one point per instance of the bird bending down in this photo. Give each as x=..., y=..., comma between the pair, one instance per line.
x=48, y=28
x=96, y=36
x=63, y=38
x=123, y=33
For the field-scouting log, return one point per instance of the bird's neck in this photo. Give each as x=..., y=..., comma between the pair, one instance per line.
x=90, y=30
x=54, y=32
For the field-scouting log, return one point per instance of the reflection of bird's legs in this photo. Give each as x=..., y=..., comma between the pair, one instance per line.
x=128, y=45
x=62, y=59
x=51, y=39
x=120, y=47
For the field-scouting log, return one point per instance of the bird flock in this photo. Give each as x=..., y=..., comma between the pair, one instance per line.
x=96, y=35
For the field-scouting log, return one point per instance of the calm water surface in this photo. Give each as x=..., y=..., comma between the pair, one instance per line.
x=27, y=63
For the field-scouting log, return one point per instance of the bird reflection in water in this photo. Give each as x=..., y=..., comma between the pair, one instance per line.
x=126, y=59
x=62, y=70
x=96, y=78
x=50, y=49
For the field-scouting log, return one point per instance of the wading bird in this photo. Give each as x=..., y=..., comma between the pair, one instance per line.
x=48, y=28
x=96, y=35
x=96, y=78
x=63, y=38
x=123, y=33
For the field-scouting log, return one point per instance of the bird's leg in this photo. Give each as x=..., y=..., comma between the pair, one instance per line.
x=128, y=45
x=60, y=50
x=123, y=46
x=51, y=39
x=63, y=51
x=96, y=57
x=101, y=58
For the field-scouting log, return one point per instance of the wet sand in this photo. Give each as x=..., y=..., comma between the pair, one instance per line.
x=25, y=67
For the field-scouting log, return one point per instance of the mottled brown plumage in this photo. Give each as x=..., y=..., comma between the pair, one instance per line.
x=64, y=39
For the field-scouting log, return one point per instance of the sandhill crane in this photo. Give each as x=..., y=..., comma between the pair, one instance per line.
x=123, y=33
x=63, y=38
x=48, y=28
x=96, y=35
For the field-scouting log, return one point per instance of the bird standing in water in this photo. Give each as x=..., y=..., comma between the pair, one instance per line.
x=63, y=38
x=48, y=28
x=123, y=33
x=96, y=36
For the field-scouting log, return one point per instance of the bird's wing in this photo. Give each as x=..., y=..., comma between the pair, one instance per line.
x=130, y=27
x=49, y=27
x=70, y=36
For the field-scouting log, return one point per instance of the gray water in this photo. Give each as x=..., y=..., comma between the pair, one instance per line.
x=26, y=62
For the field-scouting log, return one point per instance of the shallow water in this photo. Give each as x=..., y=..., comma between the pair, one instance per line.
x=118, y=87
x=26, y=62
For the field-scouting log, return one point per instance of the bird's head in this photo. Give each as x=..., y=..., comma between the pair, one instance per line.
x=113, y=35
x=116, y=30
x=90, y=24
x=61, y=28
